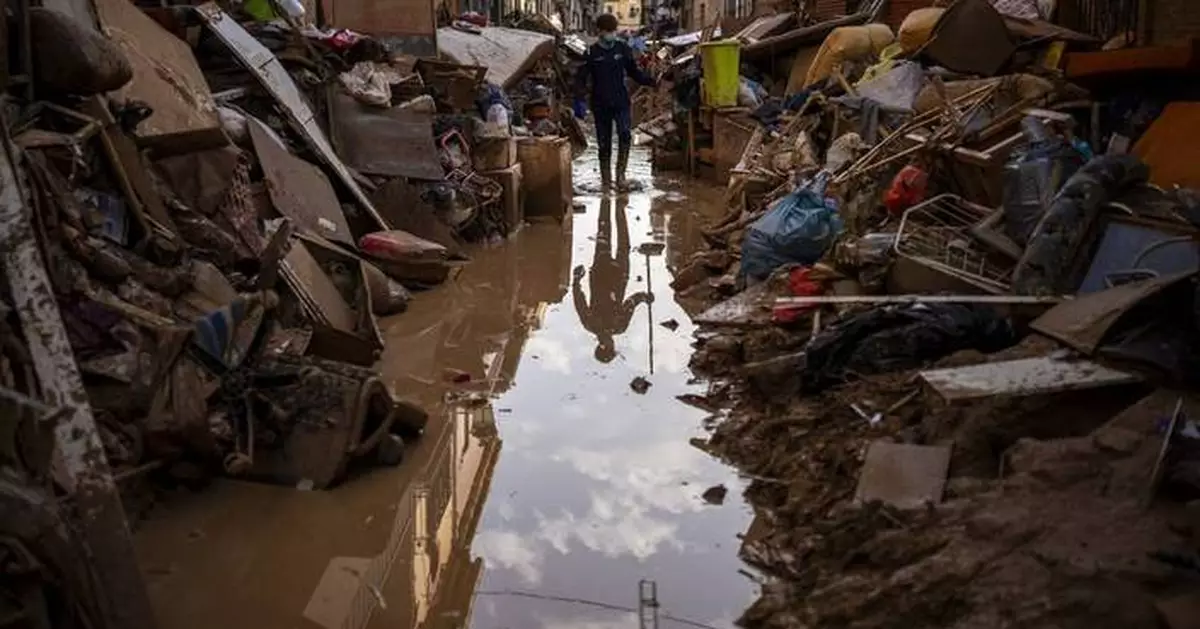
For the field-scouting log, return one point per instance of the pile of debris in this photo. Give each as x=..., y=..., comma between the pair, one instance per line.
x=227, y=202
x=954, y=309
x=204, y=213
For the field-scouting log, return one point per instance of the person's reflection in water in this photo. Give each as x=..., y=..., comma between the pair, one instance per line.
x=610, y=312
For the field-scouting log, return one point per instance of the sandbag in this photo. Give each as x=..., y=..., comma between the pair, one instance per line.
x=72, y=58
x=848, y=43
x=796, y=229
x=917, y=28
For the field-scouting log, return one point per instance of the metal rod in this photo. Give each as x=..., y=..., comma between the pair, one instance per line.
x=817, y=300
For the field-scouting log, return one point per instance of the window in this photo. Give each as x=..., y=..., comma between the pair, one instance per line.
x=608, y=8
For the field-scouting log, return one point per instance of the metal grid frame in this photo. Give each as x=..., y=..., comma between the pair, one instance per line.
x=937, y=234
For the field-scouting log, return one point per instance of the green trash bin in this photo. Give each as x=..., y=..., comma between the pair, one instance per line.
x=720, y=62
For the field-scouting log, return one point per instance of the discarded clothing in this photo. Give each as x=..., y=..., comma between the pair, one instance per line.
x=898, y=337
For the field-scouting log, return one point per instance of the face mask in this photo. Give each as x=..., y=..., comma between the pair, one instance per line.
x=608, y=38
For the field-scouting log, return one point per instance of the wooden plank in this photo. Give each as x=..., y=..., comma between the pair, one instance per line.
x=1083, y=322
x=298, y=189
x=821, y=300
x=1024, y=377
x=166, y=77
x=749, y=307
x=307, y=276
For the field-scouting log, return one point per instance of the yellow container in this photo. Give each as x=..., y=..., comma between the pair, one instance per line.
x=721, y=62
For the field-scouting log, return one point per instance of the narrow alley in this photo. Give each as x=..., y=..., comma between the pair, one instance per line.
x=360, y=314
x=547, y=477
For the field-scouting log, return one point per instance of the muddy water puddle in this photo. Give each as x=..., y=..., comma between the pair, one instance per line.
x=546, y=487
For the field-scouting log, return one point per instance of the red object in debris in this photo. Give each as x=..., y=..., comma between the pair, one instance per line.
x=907, y=189
x=400, y=246
x=478, y=19
x=342, y=39
x=801, y=284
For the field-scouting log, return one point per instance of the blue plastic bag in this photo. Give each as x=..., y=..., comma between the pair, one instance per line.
x=798, y=228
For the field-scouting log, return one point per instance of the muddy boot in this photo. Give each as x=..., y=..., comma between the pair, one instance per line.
x=622, y=162
x=605, y=174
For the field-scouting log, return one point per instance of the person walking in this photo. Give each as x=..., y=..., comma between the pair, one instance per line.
x=608, y=62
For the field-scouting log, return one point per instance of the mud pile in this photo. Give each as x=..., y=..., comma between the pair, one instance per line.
x=1048, y=517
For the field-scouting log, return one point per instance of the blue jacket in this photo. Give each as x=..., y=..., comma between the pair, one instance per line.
x=607, y=68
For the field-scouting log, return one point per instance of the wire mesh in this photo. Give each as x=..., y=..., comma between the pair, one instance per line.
x=937, y=234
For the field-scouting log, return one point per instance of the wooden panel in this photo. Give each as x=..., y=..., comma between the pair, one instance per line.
x=383, y=17
x=1021, y=378
x=165, y=76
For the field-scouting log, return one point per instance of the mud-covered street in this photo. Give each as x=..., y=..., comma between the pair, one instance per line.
x=349, y=315
x=544, y=475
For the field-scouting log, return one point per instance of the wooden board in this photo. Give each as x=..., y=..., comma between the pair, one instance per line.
x=383, y=18
x=750, y=307
x=298, y=189
x=166, y=77
x=731, y=134
x=1024, y=377
x=1171, y=146
x=1083, y=322
x=306, y=275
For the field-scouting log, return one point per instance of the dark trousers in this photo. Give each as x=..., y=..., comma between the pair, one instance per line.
x=605, y=119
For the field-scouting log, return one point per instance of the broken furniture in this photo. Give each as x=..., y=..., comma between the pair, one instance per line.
x=332, y=289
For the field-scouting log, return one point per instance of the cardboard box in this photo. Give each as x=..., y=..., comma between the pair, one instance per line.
x=513, y=200
x=494, y=154
x=546, y=166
